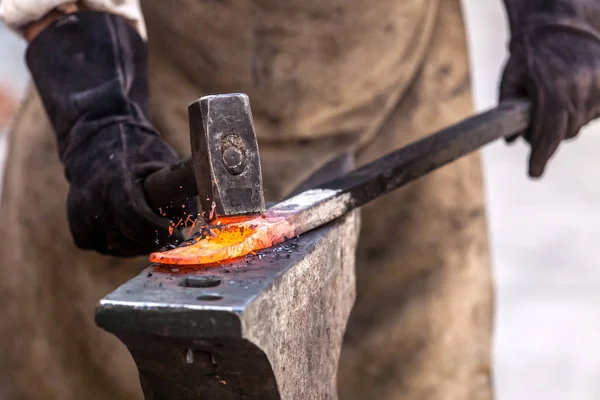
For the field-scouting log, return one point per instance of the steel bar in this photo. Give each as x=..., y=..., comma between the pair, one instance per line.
x=331, y=200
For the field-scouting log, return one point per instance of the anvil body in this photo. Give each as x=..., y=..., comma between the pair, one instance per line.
x=268, y=326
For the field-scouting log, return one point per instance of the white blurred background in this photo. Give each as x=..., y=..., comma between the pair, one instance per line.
x=544, y=236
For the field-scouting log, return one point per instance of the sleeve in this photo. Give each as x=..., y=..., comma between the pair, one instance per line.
x=18, y=13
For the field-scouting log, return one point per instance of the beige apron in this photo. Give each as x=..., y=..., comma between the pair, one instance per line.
x=323, y=77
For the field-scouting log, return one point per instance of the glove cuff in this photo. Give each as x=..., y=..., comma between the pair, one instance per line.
x=90, y=69
x=543, y=23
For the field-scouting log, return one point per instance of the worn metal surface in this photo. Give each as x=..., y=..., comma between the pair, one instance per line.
x=268, y=326
x=224, y=169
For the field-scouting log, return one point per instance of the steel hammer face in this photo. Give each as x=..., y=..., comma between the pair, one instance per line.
x=225, y=156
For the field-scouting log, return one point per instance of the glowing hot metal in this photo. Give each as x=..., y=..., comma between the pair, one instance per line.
x=231, y=239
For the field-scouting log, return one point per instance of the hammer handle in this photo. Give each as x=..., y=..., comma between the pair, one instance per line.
x=172, y=183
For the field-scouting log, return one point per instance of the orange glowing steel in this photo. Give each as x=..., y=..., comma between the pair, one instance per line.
x=230, y=239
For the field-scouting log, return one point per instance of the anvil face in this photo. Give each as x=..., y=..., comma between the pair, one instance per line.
x=267, y=326
x=171, y=293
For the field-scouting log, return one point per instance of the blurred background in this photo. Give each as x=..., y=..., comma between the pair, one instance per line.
x=544, y=235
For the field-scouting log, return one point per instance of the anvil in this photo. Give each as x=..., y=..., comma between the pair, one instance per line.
x=270, y=325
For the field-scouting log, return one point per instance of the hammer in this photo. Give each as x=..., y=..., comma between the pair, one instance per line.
x=224, y=169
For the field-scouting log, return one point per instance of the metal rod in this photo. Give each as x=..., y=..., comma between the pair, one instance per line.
x=331, y=200
x=417, y=159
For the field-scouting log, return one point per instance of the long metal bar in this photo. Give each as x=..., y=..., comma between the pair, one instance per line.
x=316, y=207
x=331, y=200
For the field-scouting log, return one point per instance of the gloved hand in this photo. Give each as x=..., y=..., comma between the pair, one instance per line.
x=17, y=14
x=555, y=62
x=90, y=71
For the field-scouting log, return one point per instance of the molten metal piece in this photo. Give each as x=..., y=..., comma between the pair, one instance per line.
x=230, y=239
x=234, y=237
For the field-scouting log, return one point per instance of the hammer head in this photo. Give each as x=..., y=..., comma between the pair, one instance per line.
x=225, y=156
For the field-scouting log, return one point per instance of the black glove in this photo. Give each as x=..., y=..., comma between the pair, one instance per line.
x=555, y=62
x=90, y=69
